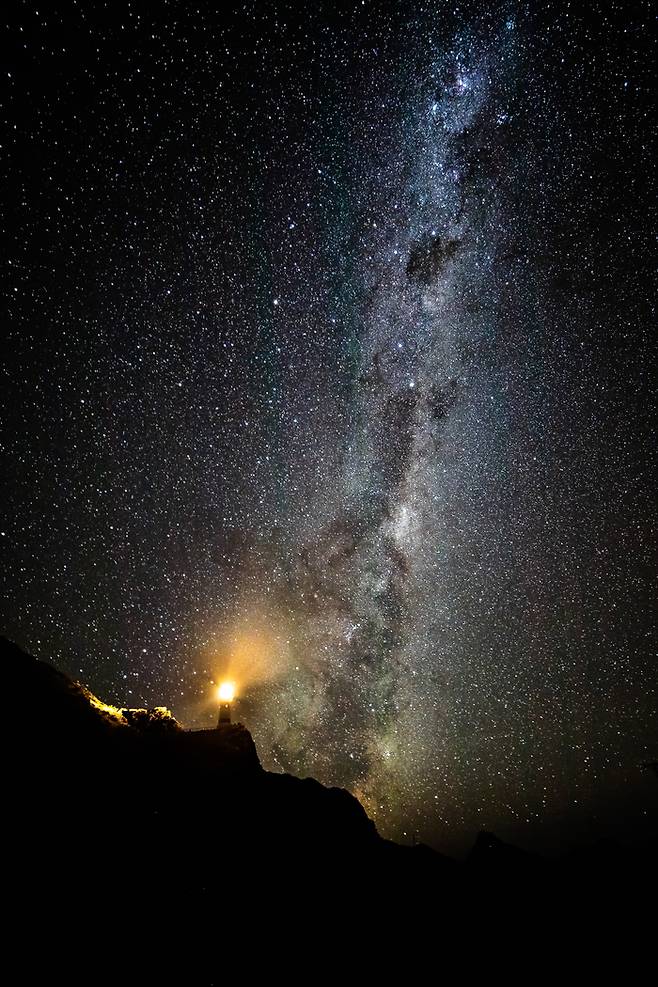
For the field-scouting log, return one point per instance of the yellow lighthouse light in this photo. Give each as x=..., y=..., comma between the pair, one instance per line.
x=225, y=695
x=226, y=692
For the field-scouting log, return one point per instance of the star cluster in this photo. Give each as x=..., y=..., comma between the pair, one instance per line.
x=329, y=365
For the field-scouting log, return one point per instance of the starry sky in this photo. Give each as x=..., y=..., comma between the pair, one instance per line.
x=328, y=369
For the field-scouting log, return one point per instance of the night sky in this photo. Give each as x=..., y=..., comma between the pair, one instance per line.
x=329, y=368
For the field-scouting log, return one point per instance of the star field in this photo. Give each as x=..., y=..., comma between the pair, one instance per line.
x=328, y=367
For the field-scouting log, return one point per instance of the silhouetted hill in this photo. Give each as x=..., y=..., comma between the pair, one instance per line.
x=122, y=816
x=133, y=785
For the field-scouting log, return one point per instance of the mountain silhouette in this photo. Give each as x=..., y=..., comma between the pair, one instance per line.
x=122, y=816
x=137, y=789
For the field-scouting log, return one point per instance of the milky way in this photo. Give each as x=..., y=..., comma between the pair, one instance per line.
x=329, y=370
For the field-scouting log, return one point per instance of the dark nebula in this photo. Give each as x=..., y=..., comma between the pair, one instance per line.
x=329, y=366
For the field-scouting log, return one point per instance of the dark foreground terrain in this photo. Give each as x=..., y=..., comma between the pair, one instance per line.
x=121, y=828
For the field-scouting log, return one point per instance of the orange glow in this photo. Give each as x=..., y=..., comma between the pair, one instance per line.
x=226, y=692
x=254, y=650
x=250, y=654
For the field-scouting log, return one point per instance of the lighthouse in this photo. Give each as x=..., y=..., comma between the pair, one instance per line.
x=226, y=695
